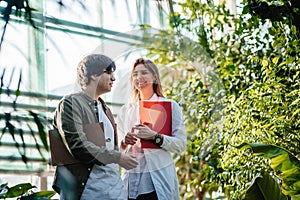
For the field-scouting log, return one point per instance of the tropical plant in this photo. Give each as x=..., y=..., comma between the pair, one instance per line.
x=264, y=187
x=285, y=164
x=256, y=60
x=21, y=121
x=24, y=191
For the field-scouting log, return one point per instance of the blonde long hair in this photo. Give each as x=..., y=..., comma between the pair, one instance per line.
x=154, y=70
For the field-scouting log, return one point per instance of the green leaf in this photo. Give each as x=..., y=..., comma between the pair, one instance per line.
x=3, y=186
x=271, y=151
x=3, y=190
x=145, y=26
x=264, y=187
x=275, y=60
x=262, y=149
x=36, y=142
x=42, y=195
x=296, y=197
x=282, y=161
x=203, y=91
x=18, y=92
x=265, y=63
x=42, y=132
x=18, y=190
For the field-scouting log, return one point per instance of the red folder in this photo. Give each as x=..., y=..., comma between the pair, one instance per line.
x=158, y=116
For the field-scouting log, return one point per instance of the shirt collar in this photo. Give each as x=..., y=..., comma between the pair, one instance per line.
x=87, y=97
x=92, y=101
x=154, y=97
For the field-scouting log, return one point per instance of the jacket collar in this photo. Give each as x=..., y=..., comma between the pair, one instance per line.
x=92, y=101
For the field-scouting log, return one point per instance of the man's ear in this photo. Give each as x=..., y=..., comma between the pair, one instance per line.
x=94, y=77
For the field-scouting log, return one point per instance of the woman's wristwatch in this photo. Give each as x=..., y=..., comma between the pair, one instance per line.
x=158, y=140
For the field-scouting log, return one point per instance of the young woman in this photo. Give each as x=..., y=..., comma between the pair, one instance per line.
x=155, y=177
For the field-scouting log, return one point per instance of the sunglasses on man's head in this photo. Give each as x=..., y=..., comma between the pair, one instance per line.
x=110, y=69
x=108, y=72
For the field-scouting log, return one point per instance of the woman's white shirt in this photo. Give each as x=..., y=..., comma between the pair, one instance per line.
x=159, y=162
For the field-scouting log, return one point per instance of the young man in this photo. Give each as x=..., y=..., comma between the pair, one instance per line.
x=93, y=172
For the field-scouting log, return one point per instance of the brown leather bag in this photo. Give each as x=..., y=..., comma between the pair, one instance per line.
x=60, y=154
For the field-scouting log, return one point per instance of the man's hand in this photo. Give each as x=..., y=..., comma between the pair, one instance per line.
x=128, y=161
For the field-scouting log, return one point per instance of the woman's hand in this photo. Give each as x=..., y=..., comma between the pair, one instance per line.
x=130, y=138
x=144, y=132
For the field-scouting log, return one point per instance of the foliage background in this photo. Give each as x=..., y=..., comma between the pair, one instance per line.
x=239, y=82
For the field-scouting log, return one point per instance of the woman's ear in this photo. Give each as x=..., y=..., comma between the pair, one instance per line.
x=155, y=79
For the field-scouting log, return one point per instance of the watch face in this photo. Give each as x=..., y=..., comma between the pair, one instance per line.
x=157, y=140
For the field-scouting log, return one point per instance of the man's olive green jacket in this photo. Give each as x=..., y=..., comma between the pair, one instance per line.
x=73, y=112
